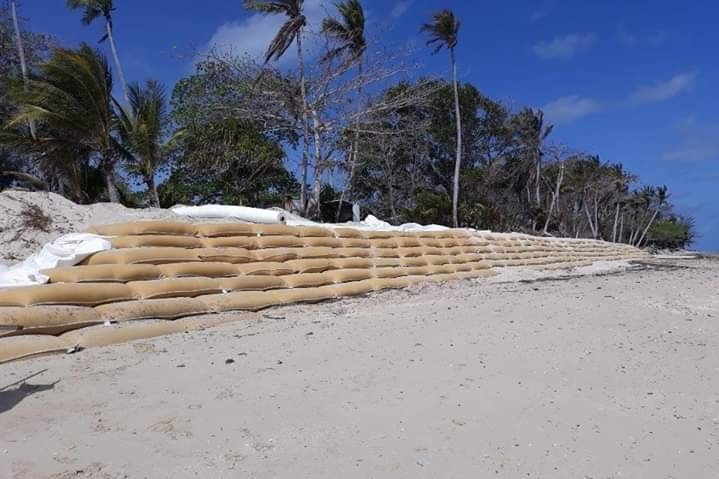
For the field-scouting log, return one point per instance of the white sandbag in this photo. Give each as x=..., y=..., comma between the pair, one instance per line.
x=242, y=213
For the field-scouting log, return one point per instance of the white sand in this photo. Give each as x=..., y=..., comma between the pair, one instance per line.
x=589, y=377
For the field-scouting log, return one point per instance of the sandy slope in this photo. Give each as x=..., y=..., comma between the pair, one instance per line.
x=590, y=377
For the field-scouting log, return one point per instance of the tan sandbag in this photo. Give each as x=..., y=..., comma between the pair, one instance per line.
x=305, y=295
x=278, y=242
x=346, y=275
x=462, y=267
x=207, y=270
x=371, y=234
x=385, y=252
x=225, y=255
x=318, y=252
x=215, y=230
x=440, y=269
x=240, y=301
x=306, y=280
x=379, y=284
x=409, y=242
x=275, y=254
x=352, y=263
x=348, y=233
x=314, y=232
x=19, y=347
x=353, y=252
x=103, y=273
x=354, y=288
x=384, y=243
x=417, y=251
x=167, y=308
x=442, y=277
x=144, y=228
x=448, y=243
x=434, y=260
x=175, y=287
x=431, y=242
x=247, y=242
x=45, y=319
x=80, y=294
x=355, y=243
x=150, y=255
x=388, y=272
x=251, y=283
x=392, y=262
x=97, y=336
x=275, y=230
x=414, y=261
x=265, y=268
x=310, y=265
x=416, y=270
x=323, y=241
x=139, y=241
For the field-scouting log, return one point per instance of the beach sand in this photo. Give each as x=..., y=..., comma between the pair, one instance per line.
x=602, y=376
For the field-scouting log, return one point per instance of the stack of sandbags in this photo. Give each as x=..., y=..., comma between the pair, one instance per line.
x=168, y=270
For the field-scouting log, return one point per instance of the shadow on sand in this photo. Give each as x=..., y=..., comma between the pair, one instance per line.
x=12, y=394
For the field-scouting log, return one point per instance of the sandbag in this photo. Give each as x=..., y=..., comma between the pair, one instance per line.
x=462, y=267
x=355, y=243
x=19, y=347
x=306, y=295
x=372, y=234
x=353, y=252
x=45, y=319
x=144, y=228
x=384, y=243
x=240, y=301
x=251, y=283
x=314, y=232
x=97, y=336
x=306, y=280
x=175, y=287
x=388, y=272
x=207, y=270
x=409, y=242
x=414, y=261
x=265, y=268
x=275, y=230
x=385, y=252
x=103, y=273
x=247, y=242
x=317, y=252
x=379, y=284
x=431, y=242
x=275, y=254
x=278, y=242
x=354, y=288
x=167, y=308
x=348, y=233
x=440, y=269
x=347, y=275
x=225, y=255
x=81, y=294
x=312, y=265
x=352, y=263
x=174, y=241
x=323, y=241
x=392, y=262
x=215, y=230
x=150, y=255
x=435, y=260
x=415, y=252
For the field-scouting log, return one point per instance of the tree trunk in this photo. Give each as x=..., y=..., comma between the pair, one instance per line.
x=458, y=161
x=110, y=183
x=353, y=148
x=649, y=225
x=616, y=220
x=153, y=199
x=316, y=190
x=23, y=65
x=538, y=173
x=120, y=74
x=304, y=204
x=621, y=228
x=31, y=179
x=555, y=197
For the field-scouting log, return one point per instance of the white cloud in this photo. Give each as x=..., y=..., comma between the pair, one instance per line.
x=564, y=47
x=253, y=34
x=401, y=8
x=663, y=90
x=570, y=108
x=698, y=142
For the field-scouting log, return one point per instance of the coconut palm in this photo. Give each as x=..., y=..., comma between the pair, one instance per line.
x=142, y=126
x=291, y=31
x=92, y=9
x=348, y=33
x=21, y=55
x=70, y=97
x=660, y=195
x=443, y=31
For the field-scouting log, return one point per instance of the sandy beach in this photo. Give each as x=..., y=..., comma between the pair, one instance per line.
x=599, y=376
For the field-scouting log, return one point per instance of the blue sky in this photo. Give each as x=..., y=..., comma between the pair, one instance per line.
x=633, y=81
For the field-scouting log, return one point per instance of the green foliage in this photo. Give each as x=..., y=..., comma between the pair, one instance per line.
x=442, y=30
x=672, y=233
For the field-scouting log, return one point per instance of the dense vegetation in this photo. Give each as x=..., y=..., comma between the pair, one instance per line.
x=356, y=128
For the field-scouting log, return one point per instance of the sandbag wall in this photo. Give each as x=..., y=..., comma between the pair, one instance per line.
x=169, y=270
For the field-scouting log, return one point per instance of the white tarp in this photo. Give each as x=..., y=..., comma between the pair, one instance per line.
x=66, y=250
x=243, y=213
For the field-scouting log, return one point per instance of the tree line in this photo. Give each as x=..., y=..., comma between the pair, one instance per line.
x=352, y=122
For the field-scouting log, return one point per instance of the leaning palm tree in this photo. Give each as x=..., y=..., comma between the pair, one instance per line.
x=70, y=98
x=142, y=126
x=21, y=55
x=661, y=195
x=349, y=36
x=93, y=9
x=291, y=31
x=444, y=31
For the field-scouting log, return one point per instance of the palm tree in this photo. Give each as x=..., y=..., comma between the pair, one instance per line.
x=348, y=33
x=93, y=9
x=444, y=30
x=71, y=97
x=661, y=195
x=21, y=55
x=142, y=126
x=291, y=31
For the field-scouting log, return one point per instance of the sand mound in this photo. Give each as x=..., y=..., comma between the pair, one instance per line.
x=31, y=219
